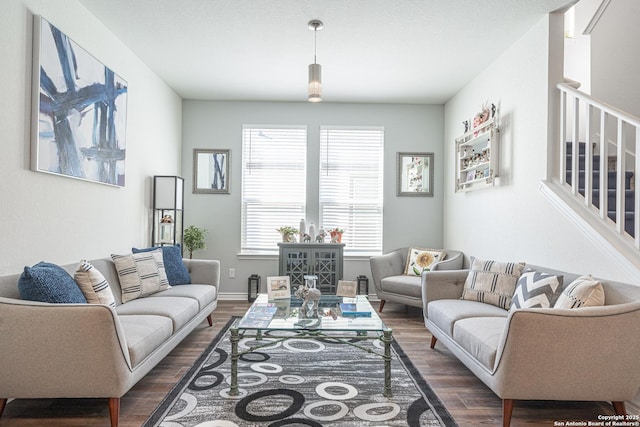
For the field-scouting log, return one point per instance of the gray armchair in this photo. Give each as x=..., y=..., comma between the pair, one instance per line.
x=392, y=285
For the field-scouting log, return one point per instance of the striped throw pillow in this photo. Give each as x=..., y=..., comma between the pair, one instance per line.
x=585, y=291
x=93, y=285
x=141, y=274
x=492, y=282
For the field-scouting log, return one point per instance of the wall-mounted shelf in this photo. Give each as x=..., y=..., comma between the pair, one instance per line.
x=477, y=155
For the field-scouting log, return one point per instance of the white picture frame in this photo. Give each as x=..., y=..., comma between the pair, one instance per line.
x=278, y=287
x=347, y=288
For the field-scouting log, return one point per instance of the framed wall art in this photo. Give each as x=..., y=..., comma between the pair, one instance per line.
x=79, y=111
x=414, y=174
x=211, y=171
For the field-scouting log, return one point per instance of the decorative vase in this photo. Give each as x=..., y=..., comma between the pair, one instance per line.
x=303, y=229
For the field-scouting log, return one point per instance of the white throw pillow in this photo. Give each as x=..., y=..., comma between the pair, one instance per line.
x=93, y=285
x=141, y=274
x=585, y=291
x=419, y=260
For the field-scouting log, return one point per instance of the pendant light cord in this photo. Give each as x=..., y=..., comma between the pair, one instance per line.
x=315, y=38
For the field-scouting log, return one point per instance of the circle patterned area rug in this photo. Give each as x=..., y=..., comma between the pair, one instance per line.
x=300, y=382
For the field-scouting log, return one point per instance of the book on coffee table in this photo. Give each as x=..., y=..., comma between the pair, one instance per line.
x=259, y=315
x=352, y=309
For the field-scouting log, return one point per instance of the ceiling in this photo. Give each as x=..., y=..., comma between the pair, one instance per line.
x=389, y=51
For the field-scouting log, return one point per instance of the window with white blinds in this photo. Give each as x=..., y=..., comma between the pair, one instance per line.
x=273, y=183
x=351, y=185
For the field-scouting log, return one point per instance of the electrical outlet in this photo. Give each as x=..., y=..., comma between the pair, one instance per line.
x=232, y=273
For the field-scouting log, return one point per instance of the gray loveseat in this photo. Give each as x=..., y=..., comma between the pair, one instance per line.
x=391, y=284
x=582, y=354
x=93, y=350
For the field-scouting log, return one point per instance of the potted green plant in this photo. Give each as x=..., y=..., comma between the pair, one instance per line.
x=194, y=239
x=288, y=233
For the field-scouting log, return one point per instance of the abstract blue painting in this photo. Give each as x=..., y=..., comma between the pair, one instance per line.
x=80, y=110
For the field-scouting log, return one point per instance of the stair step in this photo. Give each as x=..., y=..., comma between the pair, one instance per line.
x=628, y=221
x=581, y=147
x=629, y=198
x=611, y=180
x=629, y=216
x=581, y=161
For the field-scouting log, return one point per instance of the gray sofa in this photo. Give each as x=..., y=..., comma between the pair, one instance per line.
x=93, y=350
x=583, y=354
x=391, y=284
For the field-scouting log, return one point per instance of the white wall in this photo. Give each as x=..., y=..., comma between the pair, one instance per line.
x=407, y=220
x=577, y=49
x=615, y=56
x=513, y=221
x=58, y=219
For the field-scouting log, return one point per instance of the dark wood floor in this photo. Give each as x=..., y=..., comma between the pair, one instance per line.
x=468, y=400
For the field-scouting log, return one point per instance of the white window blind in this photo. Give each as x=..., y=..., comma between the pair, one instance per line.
x=351, y=185
x=273, y=184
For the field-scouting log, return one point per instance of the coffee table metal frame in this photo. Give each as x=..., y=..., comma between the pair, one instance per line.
x=382, y=333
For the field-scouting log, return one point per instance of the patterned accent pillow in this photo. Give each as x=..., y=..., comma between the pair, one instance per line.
x=177, y=272
x=93, y=285
x=585, y=291
x=141, y=274
x=492, y=282
x=536, y=290
x=419, y=260
x=46, y=282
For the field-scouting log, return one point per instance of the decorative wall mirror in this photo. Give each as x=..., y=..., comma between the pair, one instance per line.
x=414, y=174
x=211, y=171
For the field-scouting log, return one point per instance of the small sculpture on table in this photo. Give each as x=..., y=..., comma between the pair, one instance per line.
x=310, y=296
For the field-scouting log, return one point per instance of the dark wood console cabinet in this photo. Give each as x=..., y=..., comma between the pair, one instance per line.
x=324, y=260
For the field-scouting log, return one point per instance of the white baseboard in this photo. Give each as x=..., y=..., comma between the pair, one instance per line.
x=232, y=296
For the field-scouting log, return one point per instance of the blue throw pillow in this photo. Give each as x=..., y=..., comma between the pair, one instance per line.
x=46, y=282
x=177, y=272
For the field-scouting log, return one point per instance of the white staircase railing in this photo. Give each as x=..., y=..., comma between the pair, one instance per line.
x=588, y=128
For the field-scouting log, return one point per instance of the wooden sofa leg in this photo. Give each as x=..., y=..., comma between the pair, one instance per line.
x=114, y=410
x=210, y=320
x=381, y=305
x=507, y=411
x=433, y=341
x=617, y=406
x=3, y=403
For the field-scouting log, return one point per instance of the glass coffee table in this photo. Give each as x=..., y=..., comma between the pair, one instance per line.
x=294, y=320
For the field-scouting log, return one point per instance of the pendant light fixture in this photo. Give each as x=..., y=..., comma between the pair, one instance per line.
x=315, y=70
